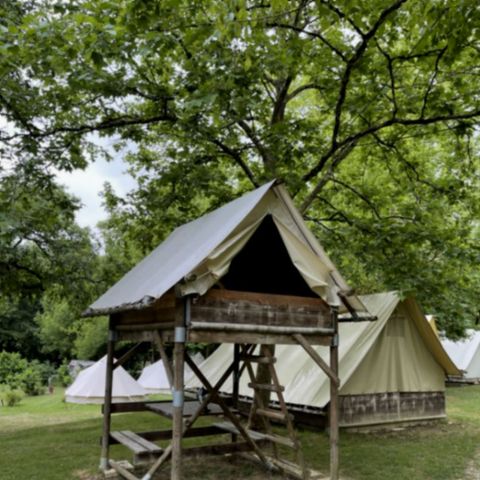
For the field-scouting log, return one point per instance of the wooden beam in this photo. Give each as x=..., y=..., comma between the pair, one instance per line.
x=181, y=314
x=107, y=397
x=126, y=356
x=334, y=403
x=317, y=358
x=166, y=362
x=206, y=336
x=254, y=328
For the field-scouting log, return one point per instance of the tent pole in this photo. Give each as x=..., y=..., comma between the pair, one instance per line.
x=182, y=318
x=108, y=397
x=334, y=455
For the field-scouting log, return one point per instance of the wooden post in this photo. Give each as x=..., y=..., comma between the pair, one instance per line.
x=108, y=397
x=334, y=457
x=236, y=380
x=263, y=376
x=182, y=318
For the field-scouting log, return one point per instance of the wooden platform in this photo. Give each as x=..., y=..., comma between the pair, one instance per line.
x=189, y=408
x=144, y=451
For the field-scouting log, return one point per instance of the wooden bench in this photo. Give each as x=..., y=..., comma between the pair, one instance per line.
x=144, y=451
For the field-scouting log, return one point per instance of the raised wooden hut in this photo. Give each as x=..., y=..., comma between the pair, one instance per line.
x=249, y=273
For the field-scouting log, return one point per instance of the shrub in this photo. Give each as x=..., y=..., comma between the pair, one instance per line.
x=30, y=380
x=19, y=374
x=63, y=375
x=11, y=364
x=11, y=397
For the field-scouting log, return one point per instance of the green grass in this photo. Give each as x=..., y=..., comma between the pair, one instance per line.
x=45, y=438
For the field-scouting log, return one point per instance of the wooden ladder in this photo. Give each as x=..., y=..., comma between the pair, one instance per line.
x=260, y=412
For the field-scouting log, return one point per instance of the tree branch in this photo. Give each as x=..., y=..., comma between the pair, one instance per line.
x=237, y=157
x=360, y=50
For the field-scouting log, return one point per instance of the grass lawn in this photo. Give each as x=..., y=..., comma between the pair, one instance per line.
x=44, y=438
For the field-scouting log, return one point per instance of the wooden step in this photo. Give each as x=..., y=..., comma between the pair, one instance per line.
x=267, y=386
x=285, y=441
x=257, y=359
x=273, y=414
x=135, y=443
x=230, y=428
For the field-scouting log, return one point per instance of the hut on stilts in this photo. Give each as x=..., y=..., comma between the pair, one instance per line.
x=249, y=273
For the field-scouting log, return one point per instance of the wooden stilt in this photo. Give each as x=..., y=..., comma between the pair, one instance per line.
x=181, y=320
x=236, y=380
x=108, y=398
x=334, y=454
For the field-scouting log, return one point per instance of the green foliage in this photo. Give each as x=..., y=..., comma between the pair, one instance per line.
x=91, y=338
x=366, y=110
x=18, y=373
x=10, y=397
x=11, y=365
x=63, y=375
x=30, y=380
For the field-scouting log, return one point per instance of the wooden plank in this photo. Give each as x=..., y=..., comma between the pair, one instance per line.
x=130, y=443
x=258, y=308
x=146, y=444
x=166, y=409
x=122, y=471
x=258, y=359
x=273, y=414
x=259, y=298
x=229, y=427
x=317, y=359
x=267, y=386
x=253, y=328
x=167, y=434
x=197, y=336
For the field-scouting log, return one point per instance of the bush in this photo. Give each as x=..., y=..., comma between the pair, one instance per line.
x=63, y=375
x=30, y=380
x=19, y=374
x=11, y=397
x=11, y=364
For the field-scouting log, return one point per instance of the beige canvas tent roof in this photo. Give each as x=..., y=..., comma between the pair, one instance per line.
x=196, y=255
x=398, y=352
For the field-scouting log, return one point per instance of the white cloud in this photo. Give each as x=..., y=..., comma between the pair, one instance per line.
x=87, y=185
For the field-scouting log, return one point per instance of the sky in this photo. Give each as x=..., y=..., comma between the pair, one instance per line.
x=87, y=185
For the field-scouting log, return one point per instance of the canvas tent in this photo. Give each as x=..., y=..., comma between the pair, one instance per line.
x=200, y=253
x=89, y=386
x=466, y=354
x=390, y=370
x=154, y=378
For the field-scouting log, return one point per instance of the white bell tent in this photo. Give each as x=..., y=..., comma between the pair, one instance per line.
x=89, y=386
x=465, y=354
x=154, y=378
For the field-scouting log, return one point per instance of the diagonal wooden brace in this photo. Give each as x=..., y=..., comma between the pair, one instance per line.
x=317, y=358
x=227, y=412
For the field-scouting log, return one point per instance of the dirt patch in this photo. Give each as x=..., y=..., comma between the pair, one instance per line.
x=85, y=475
x=472, y=471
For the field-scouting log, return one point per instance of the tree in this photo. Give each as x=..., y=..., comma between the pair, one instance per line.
x=219, y=96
